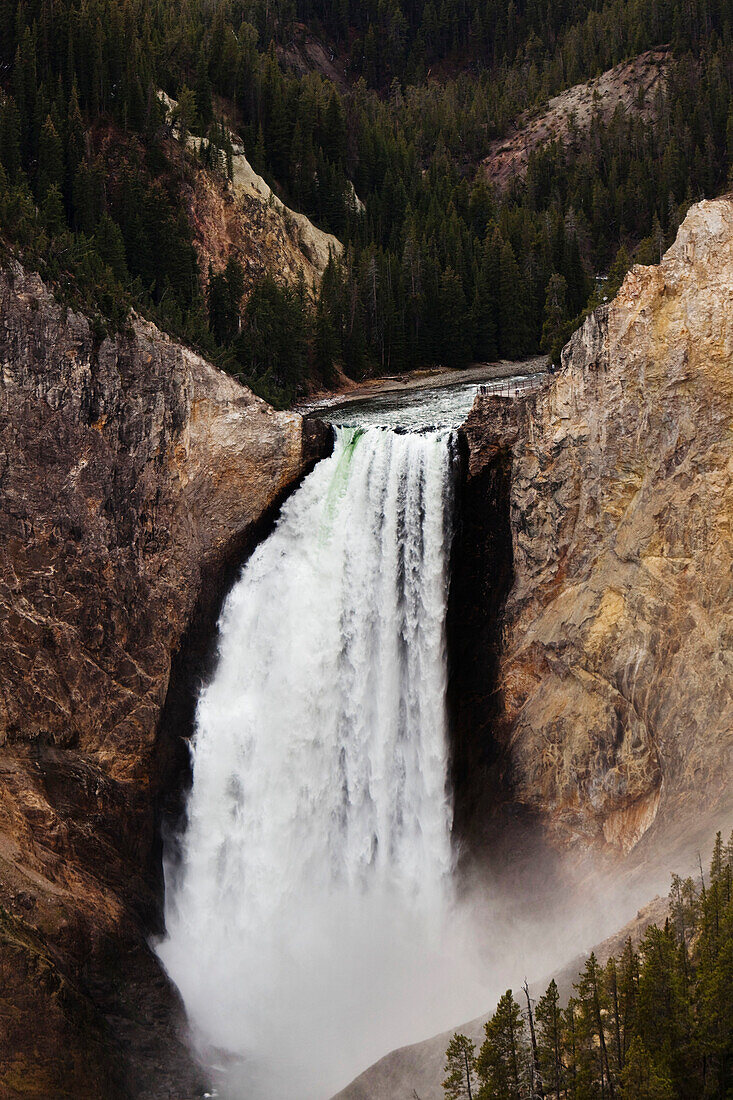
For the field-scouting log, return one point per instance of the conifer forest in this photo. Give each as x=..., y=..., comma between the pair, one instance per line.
x=439, y=266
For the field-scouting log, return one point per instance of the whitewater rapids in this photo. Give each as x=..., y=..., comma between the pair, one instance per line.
x=310, y=918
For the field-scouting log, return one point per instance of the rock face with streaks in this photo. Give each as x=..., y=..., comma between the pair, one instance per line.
x=133, y=477
x=601, y=705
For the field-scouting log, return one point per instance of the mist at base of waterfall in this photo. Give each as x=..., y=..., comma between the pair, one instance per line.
x=314, y=921
x=361, y=984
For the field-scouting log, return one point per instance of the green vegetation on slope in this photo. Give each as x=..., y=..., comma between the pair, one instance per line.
x=653, y=1024
x=438, y=267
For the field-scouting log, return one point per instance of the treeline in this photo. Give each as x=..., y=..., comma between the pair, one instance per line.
x=437, y=268
x=565, y=42
x=87, y=191
x=654, y=1023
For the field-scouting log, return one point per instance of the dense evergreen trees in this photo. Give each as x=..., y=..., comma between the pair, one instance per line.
x=271, y=352
x=437, y=268
x=653, y=1024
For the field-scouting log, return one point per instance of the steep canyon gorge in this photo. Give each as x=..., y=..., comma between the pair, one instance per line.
x=134, y=476
x=589, y=626
x=608, y=718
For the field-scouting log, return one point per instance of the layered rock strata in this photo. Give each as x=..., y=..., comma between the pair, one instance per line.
x=601, y=708
x=133, y=475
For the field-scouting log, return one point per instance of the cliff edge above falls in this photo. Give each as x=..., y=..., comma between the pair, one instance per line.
x=132, y=474
x=609, y=718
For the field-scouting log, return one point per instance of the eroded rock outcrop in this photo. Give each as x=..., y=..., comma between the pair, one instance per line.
x=633, y=87
x=610, y=715
x=243, y=219
x=132, y=473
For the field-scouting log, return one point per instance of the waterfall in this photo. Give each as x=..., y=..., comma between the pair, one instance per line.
x=309, y=915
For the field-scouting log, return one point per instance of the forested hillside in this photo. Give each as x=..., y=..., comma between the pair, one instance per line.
x=439, y=267
x=653, y=1024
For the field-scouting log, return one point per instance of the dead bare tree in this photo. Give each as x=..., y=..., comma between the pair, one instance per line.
x=536, y=1090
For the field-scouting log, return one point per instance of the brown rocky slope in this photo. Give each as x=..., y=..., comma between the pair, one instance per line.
x=132, y=476
x=632, y=87
x=602, y=706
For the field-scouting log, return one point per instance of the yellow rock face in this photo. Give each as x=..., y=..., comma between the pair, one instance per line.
x=619, y=622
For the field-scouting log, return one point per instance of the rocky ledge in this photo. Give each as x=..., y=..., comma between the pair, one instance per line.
x=134, y=476
x=601, y=707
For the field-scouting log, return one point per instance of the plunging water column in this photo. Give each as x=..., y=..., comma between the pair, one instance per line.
x=309, y=916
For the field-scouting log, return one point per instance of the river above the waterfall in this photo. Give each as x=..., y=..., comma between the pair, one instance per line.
x=424, y=404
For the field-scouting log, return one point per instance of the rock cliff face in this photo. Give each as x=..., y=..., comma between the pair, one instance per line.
x=601, y=708
x=132, y=476
x=243, y=219
x=591, y=624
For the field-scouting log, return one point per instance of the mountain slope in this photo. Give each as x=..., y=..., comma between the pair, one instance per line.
x=241, y=218
x=633, y=87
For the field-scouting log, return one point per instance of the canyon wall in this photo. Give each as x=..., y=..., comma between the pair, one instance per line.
x=133, y=477
x=591, y=623
x=600, y=708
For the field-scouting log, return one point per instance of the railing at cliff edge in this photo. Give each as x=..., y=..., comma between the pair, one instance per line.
x=512, y=388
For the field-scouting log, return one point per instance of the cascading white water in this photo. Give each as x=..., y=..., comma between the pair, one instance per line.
x=309, y=920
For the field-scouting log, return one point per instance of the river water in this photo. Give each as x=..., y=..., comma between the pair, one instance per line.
x=445, y=405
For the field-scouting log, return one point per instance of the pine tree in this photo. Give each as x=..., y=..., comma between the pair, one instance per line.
x=618, y=270
x=110, y=245
x=185, y=115
x=591, y=997
x=202, y=90
x=549, y=1040
x=87, y=197
x=641, y=1078
x=512, y=317
x=555, y=327
x=715, y=974
x=501, y=1062
x=10, y=140
x=219, y=303
x=75, y=145
x=234, y=275
x=259, y=155
x=454, y=323
x=460, y=1069
x=225, y=292
x=484, y=311
x=50, y=159
x=52, y=211
x=664, y=1022
x=334, y=131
